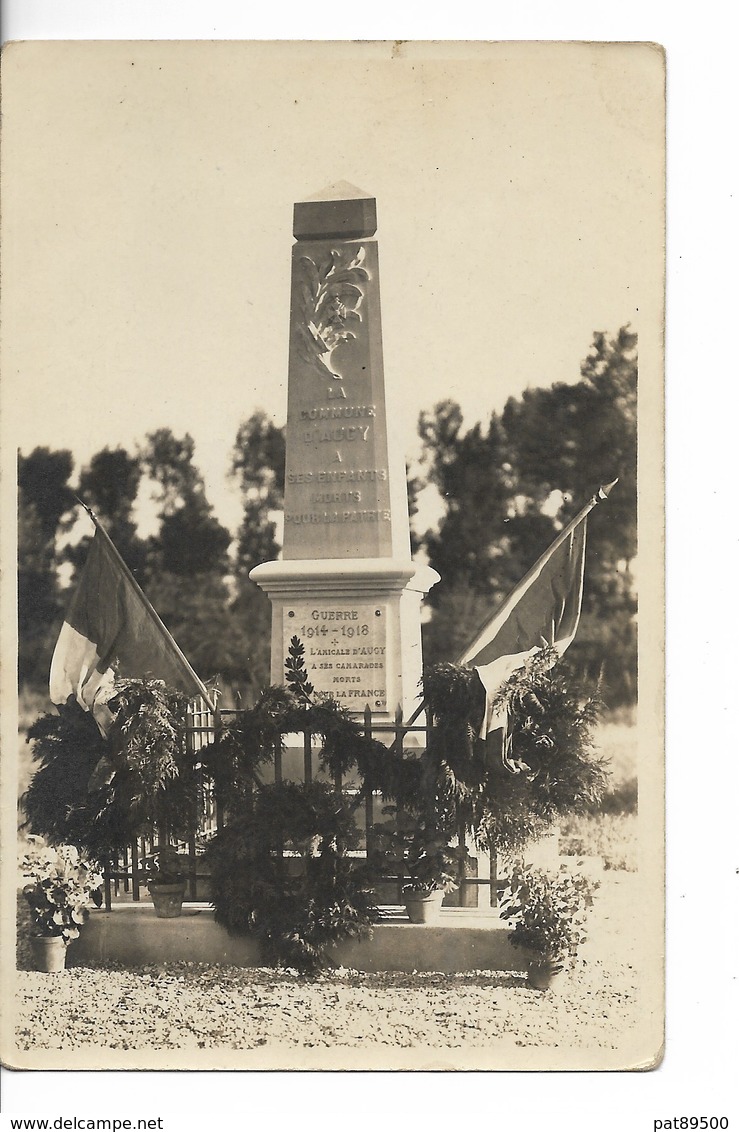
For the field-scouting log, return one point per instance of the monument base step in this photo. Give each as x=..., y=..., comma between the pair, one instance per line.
x=463, y=940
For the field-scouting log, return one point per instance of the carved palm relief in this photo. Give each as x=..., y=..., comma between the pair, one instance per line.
x=331, y=293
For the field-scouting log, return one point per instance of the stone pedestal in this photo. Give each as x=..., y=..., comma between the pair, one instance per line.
x=359, y=622
x=346, y=586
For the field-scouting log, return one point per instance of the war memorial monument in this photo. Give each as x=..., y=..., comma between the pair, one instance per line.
x=346, y=585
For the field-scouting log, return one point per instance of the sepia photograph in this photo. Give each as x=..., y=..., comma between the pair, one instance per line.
x=332, y=434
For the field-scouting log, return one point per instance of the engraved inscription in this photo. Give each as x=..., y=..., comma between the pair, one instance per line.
x=337, y=516
x=344, y=475
x=345, y=649
x=338, y=477
x=336, y=497
x=342, y=478
x=334, y=412
x=334, y=435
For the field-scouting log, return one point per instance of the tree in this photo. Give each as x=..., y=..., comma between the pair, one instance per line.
x=45, y=498
x=509, y=488
x=169, y=462
x=572, y=439
x=481, y=547
x=190, y=539
x=472, y=472
x=109, y=485
x=43, y=484
x=258, y=466
x=188, y=567
x=199, y=612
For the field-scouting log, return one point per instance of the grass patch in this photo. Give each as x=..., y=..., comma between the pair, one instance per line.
x=610, y=831
x=610, y=836
x=31, y=704
x=615, y=738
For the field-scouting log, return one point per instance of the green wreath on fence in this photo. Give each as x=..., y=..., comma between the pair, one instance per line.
x=98, y=794
x=280, y=874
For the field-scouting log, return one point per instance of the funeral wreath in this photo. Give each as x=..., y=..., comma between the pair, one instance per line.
x=280, y=873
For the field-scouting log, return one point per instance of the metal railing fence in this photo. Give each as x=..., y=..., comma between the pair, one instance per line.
x=124, y=876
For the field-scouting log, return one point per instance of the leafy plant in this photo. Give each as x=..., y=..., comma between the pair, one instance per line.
x=281, y=875
x=59, y=885
x=296, y=673
x=168, y=867
x=249, y=742
x=426, y=858
x=100, y=794
x=67, y=747
x=459, y=780
x=429, y=864
x=148, y=736
x=509, y=789
x=548, y=911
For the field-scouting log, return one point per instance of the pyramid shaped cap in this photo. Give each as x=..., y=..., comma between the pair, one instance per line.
x=339, y=190
x=340, y=211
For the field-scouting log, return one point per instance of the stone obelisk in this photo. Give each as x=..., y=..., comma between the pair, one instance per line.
x=346, y=585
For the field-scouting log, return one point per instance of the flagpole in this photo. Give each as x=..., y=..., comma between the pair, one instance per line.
x=601, y=494
x=149, y=607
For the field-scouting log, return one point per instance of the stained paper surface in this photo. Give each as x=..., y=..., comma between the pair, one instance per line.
x=148, y=191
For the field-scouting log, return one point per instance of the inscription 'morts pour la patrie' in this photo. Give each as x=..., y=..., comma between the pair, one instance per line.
x=337, y=482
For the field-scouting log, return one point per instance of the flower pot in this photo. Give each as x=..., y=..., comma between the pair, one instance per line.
x=424, y=909
x=49, y=952
x=167, y=899
x=545, y=974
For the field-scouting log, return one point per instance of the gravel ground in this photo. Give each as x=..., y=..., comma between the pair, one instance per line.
x=186, y=1006
x=194, y=1006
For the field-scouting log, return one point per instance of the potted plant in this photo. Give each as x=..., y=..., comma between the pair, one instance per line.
x=166, y=880
x=58, y=888
x=548, y=911
x=428, y=863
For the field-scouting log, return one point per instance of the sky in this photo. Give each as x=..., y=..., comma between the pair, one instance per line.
x=148, y=225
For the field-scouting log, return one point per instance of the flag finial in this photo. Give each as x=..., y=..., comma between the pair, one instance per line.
x=89, y=510
x=606, y=489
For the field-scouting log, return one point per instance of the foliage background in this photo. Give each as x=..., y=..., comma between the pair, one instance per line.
x=499, y=490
